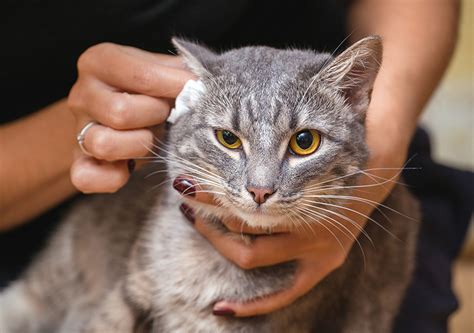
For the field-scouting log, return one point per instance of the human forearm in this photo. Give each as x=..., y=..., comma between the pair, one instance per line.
x=36, y=154
x=419, y=38
x=35, y=203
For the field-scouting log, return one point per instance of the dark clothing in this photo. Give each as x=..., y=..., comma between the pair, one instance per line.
x=41, y=42
x=446, y=196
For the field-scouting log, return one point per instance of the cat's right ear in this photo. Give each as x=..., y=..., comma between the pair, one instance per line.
x=196, y=57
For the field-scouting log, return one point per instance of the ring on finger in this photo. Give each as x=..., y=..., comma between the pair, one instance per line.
x=81, y=137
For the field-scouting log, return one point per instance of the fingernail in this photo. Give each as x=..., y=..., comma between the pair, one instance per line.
x=131, y=166
x=184, y=186
x=224, y=312
x=188, y=212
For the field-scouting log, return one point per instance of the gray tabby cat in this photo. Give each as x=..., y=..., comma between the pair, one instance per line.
x=270, y=128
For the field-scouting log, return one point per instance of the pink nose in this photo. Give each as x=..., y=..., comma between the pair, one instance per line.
x=260, y=194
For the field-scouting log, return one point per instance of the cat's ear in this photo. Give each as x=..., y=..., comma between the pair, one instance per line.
x=196, y=57
x=353, y=72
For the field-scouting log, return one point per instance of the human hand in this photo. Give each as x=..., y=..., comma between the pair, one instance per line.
x=318, y=251
x=126, y=91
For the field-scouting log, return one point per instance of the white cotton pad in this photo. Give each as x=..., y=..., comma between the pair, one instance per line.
x=186, y=99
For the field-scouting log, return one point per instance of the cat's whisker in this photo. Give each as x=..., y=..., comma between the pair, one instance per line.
x=181, y=161
x=336, y=224
x=333, y=188
x=374, y=177
x=188, y=162
x=342, y=216
x=210, y=192
x=215, y=184
x=203, y=178
x=364, y=170
x=294, y=224
x=193, y=170
x=188, y=169
x=369, y=202
x=154, y=187
x=329, y=187
x=303, y=223
x=202, y=183
x=325, y=217
x=375, y=206
x=358, y=213
x=156, y=172
x=323, y=225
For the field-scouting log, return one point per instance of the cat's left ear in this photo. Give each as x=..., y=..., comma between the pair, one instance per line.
x=196, y=57
x=353, y=72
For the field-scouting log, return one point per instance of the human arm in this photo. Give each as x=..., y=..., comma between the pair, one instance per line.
x=419, y=39
x=36, y=154
x=39, y=153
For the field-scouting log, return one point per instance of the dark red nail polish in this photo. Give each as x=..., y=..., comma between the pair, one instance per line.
x=188, y=212
x=131, y=166
x=223, y=312
x=184, y=186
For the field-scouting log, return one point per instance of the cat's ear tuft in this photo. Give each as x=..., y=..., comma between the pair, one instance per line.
x=196, y=57
x=353, y=72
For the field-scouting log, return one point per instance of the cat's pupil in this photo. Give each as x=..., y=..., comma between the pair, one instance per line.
x=304, y=139
x=229, y=137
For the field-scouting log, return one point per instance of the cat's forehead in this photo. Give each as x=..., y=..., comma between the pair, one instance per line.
x=257, y=86
x=268, y=64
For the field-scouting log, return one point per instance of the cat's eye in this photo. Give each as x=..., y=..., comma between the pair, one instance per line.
x=305, y=142
x=228, y=139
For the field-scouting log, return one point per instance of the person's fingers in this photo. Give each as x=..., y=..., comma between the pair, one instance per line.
x=107, y=144
x=307, y=275
x=159, y=58
x=136, y=74
x=115, y=109
x=90, y=175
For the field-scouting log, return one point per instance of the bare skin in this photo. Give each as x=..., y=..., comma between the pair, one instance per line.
x=125, y=102
x=119, y=86
x=36, y=154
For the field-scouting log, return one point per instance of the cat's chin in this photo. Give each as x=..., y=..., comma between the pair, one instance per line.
x=254, y=217
x=261, y=218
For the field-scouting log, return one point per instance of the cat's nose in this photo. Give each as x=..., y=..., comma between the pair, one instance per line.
x=260, y=194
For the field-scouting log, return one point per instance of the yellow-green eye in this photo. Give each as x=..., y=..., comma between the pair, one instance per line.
x=305, y=142
x=228, y=139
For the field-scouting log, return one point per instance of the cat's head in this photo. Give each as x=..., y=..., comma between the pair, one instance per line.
x=275, y=131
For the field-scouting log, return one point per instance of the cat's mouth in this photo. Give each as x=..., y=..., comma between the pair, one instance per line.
x=266, y=215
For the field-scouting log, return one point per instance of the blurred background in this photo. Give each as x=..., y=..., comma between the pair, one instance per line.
x=450, y=120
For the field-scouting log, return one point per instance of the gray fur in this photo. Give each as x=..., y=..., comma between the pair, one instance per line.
x=130, y=262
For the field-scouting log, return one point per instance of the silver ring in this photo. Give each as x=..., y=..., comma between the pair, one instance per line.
x=81, y=137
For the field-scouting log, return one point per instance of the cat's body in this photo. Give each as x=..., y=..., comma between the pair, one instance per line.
x=131, y=262
x=84, y=273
